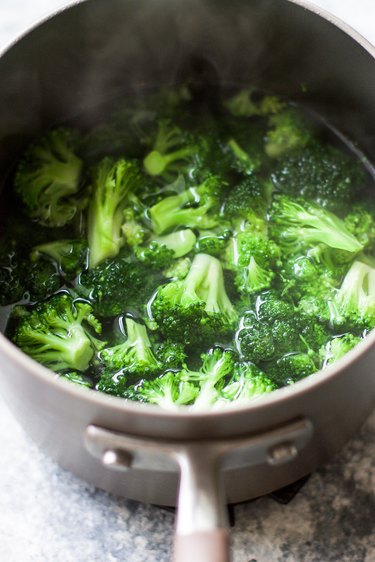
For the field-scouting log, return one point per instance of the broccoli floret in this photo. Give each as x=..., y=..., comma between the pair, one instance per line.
x=188, y=208
x=213, y=242
x=168, y=391
x=290, y=368
x=57, y=333
x=337, y=347
x=22, y=279
x=275, y=327
x=118, y=285
x=76, y=378
x=217, y=364
x=48, y=178
x=287, y=131
x=248, y=382
x=302, y=277
x=297, y=225
x=40, y=279
x=360, y=222
x=196, y=308
x=354, y=302
x=113, y=182
x=171, y=354
x=11, y=284
x=253, y=258
x=134, y=355
x=243, y=147
x=162, y=250
x=322, y=173
x=178, y=269
x=172, y=149
x=244, y=104
x=70, y=256
x=248, y=203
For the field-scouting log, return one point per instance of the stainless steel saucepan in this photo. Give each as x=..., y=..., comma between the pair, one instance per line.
x=97, y=50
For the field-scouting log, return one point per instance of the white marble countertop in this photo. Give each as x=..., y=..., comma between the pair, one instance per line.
x=46, y=514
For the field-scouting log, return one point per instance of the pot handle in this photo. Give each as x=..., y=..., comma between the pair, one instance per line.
x=201, y=528
x=211, y=546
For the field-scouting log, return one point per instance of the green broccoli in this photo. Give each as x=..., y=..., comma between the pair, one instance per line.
x=70, y=256
x=290, y=368
x=48, y=178
x=217, y=364
x=322, y=173
x=196, y=308
x=118, y=285
x=160, y=251
x=247, y=205
x=297, y=225
x=188, y=208
x=168, y=391
x=245, y=104
x=274, y=328
x=172, y=149
x=178, y=269
x=360, y=222
x=254, y=259
x=337, y=347
x=113, y=182
x=213, y=242
x=23, y=280
x=57, y=333
x=287, y=132
x=354, y=301
x=248, y=382
x=134, y=355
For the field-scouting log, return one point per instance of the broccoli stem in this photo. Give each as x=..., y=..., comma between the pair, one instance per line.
x=156, y=163
x=205, y=282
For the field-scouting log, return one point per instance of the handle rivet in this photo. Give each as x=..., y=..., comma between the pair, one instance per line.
x=117, y=459
x=281, y=453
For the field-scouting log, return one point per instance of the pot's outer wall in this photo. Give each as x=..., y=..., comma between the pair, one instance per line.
x=101, y=48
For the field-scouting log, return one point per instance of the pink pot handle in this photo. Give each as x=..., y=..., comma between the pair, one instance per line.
x=209, y=546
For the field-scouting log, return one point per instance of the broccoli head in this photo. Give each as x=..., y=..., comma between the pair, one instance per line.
x=58, y=333
x=248, y=382
x=245, y=104
x=216, y=366
x=297, y=225
x=134, y=355
x=354, y=302
x=118, y=285
x=290, y=368
x=48, y=178
x=70, y=256
x=189, y=208
x=322, y=173
x=160, y=251
x=169, y=391
x=274, y=328
x=360, y=222
x=172, y=150
x=195, y=308
x=337, y=347
x=254, y=259
x=287, y=132
x=113, y=182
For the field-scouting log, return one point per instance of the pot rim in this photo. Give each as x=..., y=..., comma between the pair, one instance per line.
x=120, y=405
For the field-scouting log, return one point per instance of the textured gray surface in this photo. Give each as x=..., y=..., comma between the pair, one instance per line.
x=46, y=514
